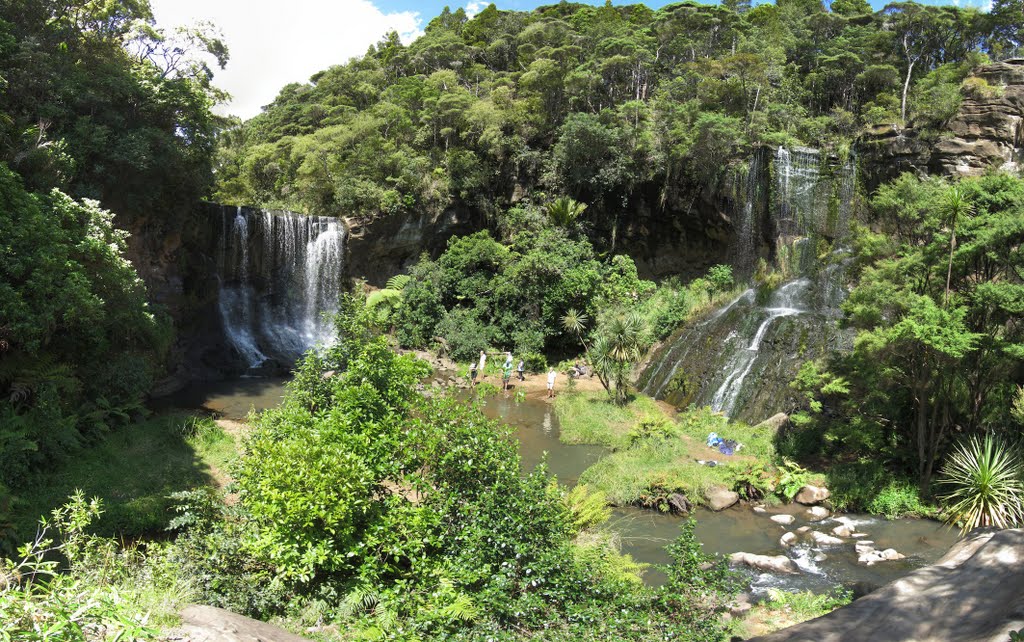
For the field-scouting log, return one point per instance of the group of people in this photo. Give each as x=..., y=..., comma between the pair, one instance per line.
x=506, y=372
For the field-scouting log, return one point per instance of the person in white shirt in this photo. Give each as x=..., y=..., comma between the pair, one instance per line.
x=551, y=383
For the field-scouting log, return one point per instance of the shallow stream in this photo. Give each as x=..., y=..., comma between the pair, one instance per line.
x=644, y=534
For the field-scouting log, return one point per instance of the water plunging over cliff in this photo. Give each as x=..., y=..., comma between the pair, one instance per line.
x=280, y=278
x=741, y=358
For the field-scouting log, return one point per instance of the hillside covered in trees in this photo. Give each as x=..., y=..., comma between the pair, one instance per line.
x=622, y=107
x=377, y=500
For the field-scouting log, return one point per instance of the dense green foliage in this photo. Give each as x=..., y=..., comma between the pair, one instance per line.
x=481, y=292
x=77, y=340
x=540, y=289
x=406, y=516
x=621, y=107
x=96, y=102
x=99, y=102
x=67, y=585
x=939, y=345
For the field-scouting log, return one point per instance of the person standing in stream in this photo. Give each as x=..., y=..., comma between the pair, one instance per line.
x=483, y=363
x=551, y=383
x=506, y=374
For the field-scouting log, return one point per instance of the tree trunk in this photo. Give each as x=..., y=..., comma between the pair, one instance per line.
x=921, y=394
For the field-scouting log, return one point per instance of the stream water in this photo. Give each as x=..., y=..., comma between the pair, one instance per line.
x=644, y=534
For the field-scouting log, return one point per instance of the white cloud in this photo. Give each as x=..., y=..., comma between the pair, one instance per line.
x=273, y=44
x=473, y=8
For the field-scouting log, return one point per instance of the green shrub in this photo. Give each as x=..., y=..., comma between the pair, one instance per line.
x=652, y=428
x=897, y=499
x=465, y=334
x=535, y=362
x=97, y=591
x=720, y=277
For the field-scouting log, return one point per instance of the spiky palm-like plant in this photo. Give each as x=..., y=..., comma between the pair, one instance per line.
x=563, y=212
x=575, y=322
x=985, y=482
x=622, y=340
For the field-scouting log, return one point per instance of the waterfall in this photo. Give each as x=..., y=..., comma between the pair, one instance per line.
x=280, y=278
x=749, y=213
x=793, y=207
x=783, y=304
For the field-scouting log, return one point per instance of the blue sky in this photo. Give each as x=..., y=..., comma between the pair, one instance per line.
x=273, y=44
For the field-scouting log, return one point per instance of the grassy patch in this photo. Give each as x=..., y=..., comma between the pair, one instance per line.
x=783, y=609
x=133, y=471
x=649, y=466
x=590, y=418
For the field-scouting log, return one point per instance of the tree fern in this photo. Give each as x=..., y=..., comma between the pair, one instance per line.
x=398, y=282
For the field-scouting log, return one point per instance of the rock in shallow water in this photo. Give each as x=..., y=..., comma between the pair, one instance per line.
x=788, y=539
x=817, y=513
x=811, y=495
x=821, y=539
x=783, y=519
x=842, y=531
x=721, y=498
x=767, y=563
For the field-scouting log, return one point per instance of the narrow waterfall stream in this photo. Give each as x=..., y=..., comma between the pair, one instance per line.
x=784, y=302
x=280, y=277
x=793, y=208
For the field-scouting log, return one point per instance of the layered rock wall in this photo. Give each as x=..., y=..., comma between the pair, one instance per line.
x=987, y=132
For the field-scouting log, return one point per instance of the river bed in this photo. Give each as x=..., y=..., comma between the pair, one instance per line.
x=645, y=533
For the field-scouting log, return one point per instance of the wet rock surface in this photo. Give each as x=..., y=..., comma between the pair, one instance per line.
x=767, y=563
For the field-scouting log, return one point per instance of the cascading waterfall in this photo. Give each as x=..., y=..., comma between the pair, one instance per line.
x=750, y=197
x=783, y=304
x=280, y=279
x=740, y=359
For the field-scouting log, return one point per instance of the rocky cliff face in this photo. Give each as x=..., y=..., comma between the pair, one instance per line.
x=380, y=247
x=175, y=256
x=988, y=131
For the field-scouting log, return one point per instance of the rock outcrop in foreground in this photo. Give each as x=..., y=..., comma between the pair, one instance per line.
x=975, y=593
x=210, y=624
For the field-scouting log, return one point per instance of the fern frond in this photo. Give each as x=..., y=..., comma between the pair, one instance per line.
x=398, y=282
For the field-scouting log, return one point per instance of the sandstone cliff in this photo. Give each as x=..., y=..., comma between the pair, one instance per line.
x=987, y=132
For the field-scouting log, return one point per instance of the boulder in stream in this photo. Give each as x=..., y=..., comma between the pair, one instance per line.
x=720, y=498
x=767, y=563
x=821, y=539
x=817, y=513
x=811, y=495
x=842, y=531
x=783, y=519
x=788, y=539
